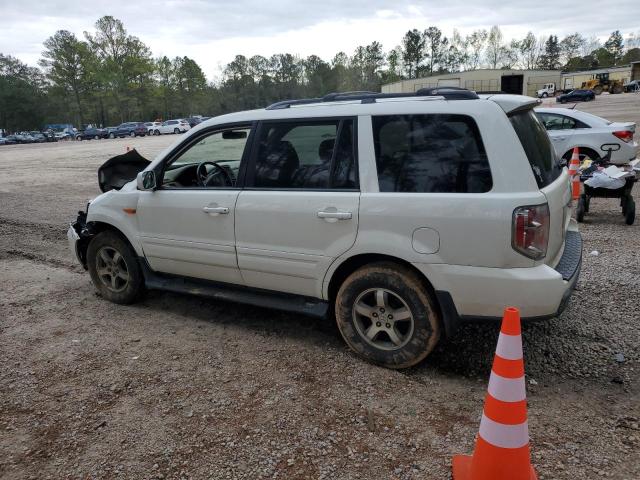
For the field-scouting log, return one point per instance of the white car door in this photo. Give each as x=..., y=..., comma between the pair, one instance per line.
x=299, y=210
x=186, y=226
x=560, y=129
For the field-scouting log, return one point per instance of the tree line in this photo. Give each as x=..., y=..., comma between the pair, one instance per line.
x=110, y=76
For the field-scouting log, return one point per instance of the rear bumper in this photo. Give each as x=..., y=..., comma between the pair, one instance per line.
x=481, y=294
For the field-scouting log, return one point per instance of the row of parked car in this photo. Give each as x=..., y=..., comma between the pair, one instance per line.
x=141, y=129
x=127, y=129
x=28, y=137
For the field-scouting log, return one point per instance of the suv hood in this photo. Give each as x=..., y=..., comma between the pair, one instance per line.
x=117, y=171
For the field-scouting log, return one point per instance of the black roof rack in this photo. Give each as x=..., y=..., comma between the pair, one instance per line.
x=449, y=93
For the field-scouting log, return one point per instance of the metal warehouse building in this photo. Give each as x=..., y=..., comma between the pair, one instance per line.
x=522, y=82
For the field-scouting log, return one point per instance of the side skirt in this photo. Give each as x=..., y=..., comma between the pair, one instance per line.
x=312, y=307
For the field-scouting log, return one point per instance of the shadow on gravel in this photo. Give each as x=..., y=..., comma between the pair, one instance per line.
x=255, y=319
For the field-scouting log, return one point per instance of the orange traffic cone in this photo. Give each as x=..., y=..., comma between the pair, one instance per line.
x=502, y=447
x=573, y=172
x=575, y=162
x=575, y=187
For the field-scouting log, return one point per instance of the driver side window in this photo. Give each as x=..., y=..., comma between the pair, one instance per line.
x=213, y=161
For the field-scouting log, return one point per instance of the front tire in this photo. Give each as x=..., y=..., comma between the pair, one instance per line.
x=387, y=316
x=176, y=130
x=132, y=134
x=156, y=132
x=114, y=268
x=112, y=135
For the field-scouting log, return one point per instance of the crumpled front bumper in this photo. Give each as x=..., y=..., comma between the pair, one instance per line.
x=78, y=236
x=73, y=238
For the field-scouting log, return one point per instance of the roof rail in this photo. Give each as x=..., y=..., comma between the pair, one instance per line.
x=448, y=93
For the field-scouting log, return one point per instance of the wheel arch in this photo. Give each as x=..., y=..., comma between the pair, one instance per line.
x=351, y=264
x=582, y=149
x=93, y=229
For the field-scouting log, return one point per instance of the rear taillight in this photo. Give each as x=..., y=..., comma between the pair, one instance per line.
x=624, y=135
x=530, y=230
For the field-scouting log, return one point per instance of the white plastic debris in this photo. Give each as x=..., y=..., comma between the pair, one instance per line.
x=594, y=253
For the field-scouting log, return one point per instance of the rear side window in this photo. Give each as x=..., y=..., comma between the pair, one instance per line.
x=430, y=153
x=306, y=155
x=537, y=146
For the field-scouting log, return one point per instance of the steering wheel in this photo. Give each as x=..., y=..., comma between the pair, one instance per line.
x=204, y=178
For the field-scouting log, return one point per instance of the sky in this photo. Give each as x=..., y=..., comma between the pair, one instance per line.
x=213, y=32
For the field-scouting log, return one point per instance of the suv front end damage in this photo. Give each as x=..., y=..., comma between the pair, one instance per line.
x=79, y=234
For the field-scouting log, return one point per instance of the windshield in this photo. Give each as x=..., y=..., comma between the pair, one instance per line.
x=536, y=144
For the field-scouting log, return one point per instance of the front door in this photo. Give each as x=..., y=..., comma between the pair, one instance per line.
x=299, y=211
x=187, y=225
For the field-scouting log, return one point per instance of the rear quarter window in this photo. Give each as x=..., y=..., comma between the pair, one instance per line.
x=537, y=146
x=430, y=153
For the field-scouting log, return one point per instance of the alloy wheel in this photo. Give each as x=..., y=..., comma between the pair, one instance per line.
x=383, y=319
x=112, y=269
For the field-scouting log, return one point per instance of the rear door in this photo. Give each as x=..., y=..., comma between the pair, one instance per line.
x=299, y=210
x=560, y=129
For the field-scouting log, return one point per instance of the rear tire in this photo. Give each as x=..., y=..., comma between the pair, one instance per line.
x=387, y=315
x=114, y=268
x=156, y=132
x=176, y=130
x=112, y=135
x=132, y=134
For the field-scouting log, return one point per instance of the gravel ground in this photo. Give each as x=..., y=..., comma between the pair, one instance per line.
x=184, y=387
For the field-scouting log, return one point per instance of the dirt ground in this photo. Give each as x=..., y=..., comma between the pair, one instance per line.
x=185, y=387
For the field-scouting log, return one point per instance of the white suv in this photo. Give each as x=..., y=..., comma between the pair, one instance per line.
x=402, y=214
x=171, y=126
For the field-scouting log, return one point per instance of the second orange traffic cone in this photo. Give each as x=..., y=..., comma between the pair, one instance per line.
x=573, y=172
x=502, y=447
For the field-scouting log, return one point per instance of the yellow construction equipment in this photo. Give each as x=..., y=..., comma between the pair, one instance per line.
x=600, y=82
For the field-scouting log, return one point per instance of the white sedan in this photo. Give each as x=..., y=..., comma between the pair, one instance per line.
x=594, y=135
x=172, y=126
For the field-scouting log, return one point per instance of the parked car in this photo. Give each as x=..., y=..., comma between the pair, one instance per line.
x=576, y=96
x=50, y=136
x=593, y=135
x=193, y=121
x=24, y=137
x=10, y=140
x=130, y=129
x=92, y=133
x=632, y=86
x=151, y=126
x=111, y=132
x=172, y=126
x=37, y=137
x=405, y=217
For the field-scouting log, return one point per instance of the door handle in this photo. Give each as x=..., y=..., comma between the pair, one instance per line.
x=337, y=215
x=222, y=210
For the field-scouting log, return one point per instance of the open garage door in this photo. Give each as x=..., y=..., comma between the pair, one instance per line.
x=512, y=84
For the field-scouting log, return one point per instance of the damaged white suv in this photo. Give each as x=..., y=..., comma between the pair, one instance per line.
x=402, y=214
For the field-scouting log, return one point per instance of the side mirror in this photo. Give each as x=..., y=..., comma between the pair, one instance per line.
x=146, y=180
